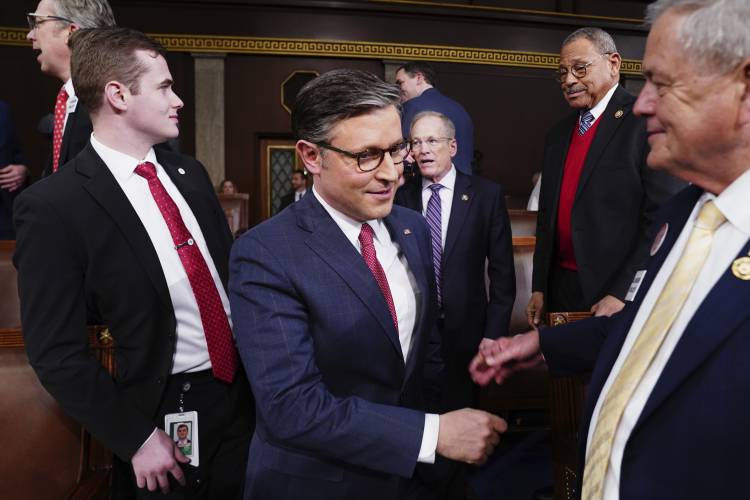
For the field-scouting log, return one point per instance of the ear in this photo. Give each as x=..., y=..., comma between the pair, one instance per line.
x=453, y=147
x=311, y=156
x=744, y=76
x=615, y=61
x=115, y=95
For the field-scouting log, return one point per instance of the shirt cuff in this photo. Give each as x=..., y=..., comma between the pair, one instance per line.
x=429, y=438
x=148, y=439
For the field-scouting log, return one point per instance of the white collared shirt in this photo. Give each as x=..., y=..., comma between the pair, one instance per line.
x=728, y=240
x=72, y=103
x=191, y=353
x=299, y=194
x=404, y=291
x=446, y=199
x=600, y=106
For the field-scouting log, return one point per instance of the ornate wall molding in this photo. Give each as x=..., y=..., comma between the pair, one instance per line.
x=345, y=49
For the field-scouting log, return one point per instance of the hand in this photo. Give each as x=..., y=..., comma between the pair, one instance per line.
x=608, y=306
x=469, y=435
x=13, y=177
x=498, y=359
x=157, y=456
x=534, y=309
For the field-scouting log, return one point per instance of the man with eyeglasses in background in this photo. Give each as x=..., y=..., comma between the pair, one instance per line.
x=469, y=226
x=597, y=195
x=50, y=27
x=333, y=302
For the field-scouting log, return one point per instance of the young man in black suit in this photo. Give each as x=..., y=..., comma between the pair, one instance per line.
x=137, y=238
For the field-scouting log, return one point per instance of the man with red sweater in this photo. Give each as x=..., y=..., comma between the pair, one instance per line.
x=597, y=194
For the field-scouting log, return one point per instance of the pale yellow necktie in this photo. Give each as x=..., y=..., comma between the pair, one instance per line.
x=665, y=310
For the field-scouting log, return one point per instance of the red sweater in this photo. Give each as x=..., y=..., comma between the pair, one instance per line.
x=577, y=151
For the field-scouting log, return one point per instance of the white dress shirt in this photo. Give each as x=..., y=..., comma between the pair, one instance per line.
x=299, y=194
x=728, y=241
x=597, y=110
x=72, y=103
x=191, y=352
x=446, y=199
x=405, y=293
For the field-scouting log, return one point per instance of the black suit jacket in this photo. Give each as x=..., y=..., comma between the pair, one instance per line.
x=614, y=204
x=82, y=246
x=478, y=232
x=75, y=137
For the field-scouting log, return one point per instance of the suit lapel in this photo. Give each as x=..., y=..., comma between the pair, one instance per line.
x=331, y=245
x=621, y=101
x=103, y=187
x=723, y=309
x=463, y=197
x=616, y=338
x=404, y=236
x=188, y=183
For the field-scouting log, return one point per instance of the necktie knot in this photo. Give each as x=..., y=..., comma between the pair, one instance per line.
x=709, y=217
x=436, y=187
x=62, y=95
x=585, y=122
x=365, y=235
x=147, y=170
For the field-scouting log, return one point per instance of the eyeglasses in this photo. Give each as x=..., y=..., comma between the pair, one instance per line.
x=37, y=19
x=370, y=159
x=432, y=142
x=578, y=70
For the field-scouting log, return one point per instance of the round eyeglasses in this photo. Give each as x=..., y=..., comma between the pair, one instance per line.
x=371, y=158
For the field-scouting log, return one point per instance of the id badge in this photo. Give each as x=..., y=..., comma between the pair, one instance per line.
x=183, y=429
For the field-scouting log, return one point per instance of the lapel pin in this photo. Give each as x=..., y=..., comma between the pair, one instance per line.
x=619, y=113
x=407, y=231
x=741, y=268
x=660, y=237
x=464, y=197
x=181, y=171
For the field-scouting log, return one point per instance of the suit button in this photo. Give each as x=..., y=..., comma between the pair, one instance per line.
x=159, y=380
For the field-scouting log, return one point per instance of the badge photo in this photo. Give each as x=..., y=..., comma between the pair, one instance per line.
x=183, y=429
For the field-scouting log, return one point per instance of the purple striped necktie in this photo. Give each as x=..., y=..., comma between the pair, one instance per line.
x=434, y=220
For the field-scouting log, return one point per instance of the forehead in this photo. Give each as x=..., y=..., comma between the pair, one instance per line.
x=403, y=75
x=579, y=49
x=154, y=64
x=663, y=51
x=429, y=125
x=377, y=128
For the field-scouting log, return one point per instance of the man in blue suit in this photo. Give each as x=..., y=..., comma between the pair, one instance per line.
x=334, y=312
x=417, y=82
x=666, y=413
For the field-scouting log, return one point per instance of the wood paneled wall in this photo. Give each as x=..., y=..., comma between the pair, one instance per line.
x=512, y=103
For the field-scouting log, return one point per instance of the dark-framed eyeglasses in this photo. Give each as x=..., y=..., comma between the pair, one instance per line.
x=432, y=142
x=578, y=70
x=371, y=158
x=35, y=20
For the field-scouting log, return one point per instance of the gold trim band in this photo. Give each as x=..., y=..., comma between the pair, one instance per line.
x=345, y=49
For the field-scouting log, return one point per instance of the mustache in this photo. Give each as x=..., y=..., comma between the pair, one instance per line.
x=575, y=88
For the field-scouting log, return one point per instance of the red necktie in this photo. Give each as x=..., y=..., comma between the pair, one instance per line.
x=219, y=339
x=57, y=132
x=371, y=259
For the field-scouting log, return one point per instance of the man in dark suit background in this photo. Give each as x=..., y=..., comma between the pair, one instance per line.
x=469, y=227
x=12, y=171
x=50, y=27
x=418, y=93
x=470, y=232
x=333, y=301
x=597, y=195
x=138, y=239
x=299, y=189
x=665, y=416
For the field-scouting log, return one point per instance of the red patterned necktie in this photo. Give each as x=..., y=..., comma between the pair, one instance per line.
x=216, y=328
x=371, y=259
x=57, y=131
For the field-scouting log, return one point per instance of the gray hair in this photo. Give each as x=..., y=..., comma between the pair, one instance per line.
x=714, y=32
x=448, y=126
x=602, y=40
x=86, y=13
x=335, y=96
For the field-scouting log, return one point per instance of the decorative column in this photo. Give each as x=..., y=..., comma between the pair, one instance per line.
x=209, y=113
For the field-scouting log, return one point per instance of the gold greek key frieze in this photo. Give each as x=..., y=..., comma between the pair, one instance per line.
x=345, y=48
